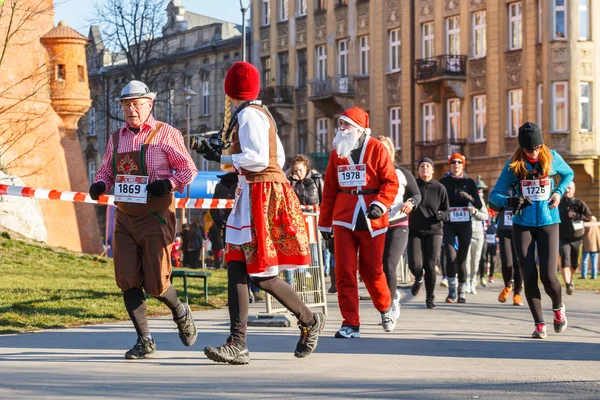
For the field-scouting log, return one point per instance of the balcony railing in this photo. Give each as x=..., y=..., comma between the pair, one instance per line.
x=436, y=67
x=332, y=86
x=440, y=149
x=277, y=95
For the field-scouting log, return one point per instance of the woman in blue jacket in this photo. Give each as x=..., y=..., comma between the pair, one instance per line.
x=531, y=172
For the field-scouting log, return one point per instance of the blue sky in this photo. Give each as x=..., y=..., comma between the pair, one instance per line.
x=77, y=12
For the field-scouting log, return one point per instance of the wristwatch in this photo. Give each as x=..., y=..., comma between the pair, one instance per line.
x=414, y=203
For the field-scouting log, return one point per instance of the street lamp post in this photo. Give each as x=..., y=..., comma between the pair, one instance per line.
x=244, y=10
x=188, y=93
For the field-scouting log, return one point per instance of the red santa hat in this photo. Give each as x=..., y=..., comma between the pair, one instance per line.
x=357, y=117
x=242, y=81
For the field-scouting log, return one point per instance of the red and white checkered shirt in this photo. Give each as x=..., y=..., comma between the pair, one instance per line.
x=166, y=155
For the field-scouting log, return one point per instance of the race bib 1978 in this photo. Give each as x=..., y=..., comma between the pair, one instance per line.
x=352, y=175
x=131, y=189
x=460, y=214
x=536, y=189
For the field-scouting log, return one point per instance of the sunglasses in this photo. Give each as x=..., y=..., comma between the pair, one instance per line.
x=531, y=150
x=456, y=162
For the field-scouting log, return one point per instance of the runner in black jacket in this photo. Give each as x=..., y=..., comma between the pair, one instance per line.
x=425, y=231
x=462, y=192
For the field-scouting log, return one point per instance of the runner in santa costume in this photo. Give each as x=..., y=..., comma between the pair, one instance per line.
x=265, y=231
x=360, y=185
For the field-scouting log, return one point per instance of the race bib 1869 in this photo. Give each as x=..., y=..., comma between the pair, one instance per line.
x=508, y=215
x=131, y=189
x=460, y=214
x=536, y=189
x=352, y=175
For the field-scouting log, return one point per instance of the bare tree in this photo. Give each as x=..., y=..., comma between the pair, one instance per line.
x=21, y=115
x=131, y=28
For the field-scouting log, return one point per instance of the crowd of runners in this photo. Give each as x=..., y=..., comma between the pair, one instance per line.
x=371, y=212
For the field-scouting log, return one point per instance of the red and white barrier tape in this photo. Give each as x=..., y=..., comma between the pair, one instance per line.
x=80, y=197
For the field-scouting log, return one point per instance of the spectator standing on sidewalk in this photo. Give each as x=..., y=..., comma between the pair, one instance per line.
x=591, y=246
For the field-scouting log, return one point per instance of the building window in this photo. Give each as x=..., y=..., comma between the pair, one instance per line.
x=265, y=63
x=560, y=20
x=428, y=37
x=81, y=73
x=302, y=137
x=515, y=111
x=302, y=68
x=479, y=118
x=205, y=98
x=539, y=21
x=559, y=107
x=91, y=171
x=453, y=108
x=343, y=57
x=302, y=7
x=515, y=33
x=283, y=10
x=428, y=122
x=364, y=55
x=266, y=12
x=395, y=127
x=321, y=62
x=92, y=122
x=479, y=34
x=320, y=5
x=394, y=50
x=170, y=105
x=584, y=20
x=540, y=103
x=585, y=98
x=60, y=72
x=283, y=68
x=453, y=36
x=322, y=135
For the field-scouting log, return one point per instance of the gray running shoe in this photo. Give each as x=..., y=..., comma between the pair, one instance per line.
x=144, y=348
x=230, y=353
x=187, y=328
x=540, y=332
x=560, y=319
x=309, y=337
x=388, y=320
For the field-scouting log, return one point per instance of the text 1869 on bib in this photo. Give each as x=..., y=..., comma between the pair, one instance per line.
x=536, y=189
x=460, y=214
x=131, y=189
x=352, y=175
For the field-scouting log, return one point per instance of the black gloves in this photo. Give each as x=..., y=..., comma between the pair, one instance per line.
x=96, y=189
x=374, y=212
x=159, y=187
x=207, y=151
x=466, y=195
x=518, y=202
x=327, y=236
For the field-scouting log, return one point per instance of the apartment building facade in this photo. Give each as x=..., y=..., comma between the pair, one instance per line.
x=481, y=68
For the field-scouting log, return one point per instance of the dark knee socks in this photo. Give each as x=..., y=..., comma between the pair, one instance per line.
x=135, y=304
x=170, y=299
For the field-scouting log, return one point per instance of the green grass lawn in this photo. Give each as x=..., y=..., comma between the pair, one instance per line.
x=42, y=288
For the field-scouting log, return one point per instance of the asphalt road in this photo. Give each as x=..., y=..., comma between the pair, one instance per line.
x=480, y=350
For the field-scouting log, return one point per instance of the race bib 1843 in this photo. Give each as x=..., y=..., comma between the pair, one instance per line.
x=131, y=189
x=536, y=189
x=460, y=214
x=352, y=175
x=508, y=216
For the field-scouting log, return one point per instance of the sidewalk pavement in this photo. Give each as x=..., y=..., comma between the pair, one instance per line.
x=479, y=350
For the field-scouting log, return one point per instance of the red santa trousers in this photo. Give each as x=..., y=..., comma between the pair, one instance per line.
x=370, y=267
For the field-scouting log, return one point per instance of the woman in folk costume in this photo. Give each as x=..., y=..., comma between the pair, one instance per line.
x=265, y=231
x=360, y=185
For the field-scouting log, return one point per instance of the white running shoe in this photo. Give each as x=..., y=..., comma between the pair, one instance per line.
x=347, y=332
x=474, y=286
x=388, y=321
x=468, y=286
x=444, y=282
x=396, y=306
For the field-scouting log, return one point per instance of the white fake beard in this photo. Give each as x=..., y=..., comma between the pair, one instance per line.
x=345, y=141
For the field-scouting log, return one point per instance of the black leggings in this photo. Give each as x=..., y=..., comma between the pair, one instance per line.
x=511, y=271
x=457, y=261
x=396, y=240
x=237, y=292
x=488, y=256
x=525, y=239
x=423, y=252
x=569, y=254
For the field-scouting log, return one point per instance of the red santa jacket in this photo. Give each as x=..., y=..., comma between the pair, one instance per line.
x=339, y=208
